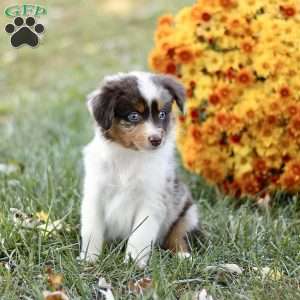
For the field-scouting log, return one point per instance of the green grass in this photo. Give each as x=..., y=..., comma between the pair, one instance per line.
x=44, y=125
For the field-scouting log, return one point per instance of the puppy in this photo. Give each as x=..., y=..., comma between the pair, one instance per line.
x=131, y=190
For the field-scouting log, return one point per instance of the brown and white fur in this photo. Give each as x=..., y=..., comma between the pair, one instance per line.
x=131, y=190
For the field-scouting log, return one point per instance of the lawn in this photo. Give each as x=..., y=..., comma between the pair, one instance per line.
x=43, y=126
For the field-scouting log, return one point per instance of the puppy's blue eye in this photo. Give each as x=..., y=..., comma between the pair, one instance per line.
x=134, y=117
x=162, y=115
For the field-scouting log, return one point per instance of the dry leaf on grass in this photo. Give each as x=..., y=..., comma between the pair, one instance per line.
x=224, y=272
x=12, y=167
x=55, y=280
x=104, y=289
x=8, y=265
x=103, y=284
x=42, y=216
x=268, y=273
x=40, y=221
x=228, y=268
x=141, y=286
x=202, y=295
x=58, y=295
x=107, y=294
x=264, y=202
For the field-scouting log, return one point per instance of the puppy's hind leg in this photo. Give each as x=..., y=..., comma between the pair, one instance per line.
x=176, y=239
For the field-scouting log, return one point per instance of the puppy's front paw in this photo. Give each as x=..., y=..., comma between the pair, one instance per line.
x=184, y=255
x=88, y=257
x=140, y=262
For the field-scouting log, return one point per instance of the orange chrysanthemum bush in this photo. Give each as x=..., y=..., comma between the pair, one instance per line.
x=240, y=64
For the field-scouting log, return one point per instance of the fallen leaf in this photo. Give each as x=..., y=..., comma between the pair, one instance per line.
x=51, y=226
x=11, y=168
x=21, y=218
x=58, y=295
x=42, y=216
x=104, y=289
x=107, y=294
x=103, y=284
x=140, y=286
x=224, y=272
x=199, y=295
x=40, y=221
x=264, y=202
x=202, y=295
x=55, y=280
x=229, y=268
x=267, y=272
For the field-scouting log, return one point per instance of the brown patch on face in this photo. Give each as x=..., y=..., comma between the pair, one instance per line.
x=175, y=240
x=128, y=135
x=140, y=106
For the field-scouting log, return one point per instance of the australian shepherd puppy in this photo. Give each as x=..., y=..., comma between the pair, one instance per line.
x=131, y=190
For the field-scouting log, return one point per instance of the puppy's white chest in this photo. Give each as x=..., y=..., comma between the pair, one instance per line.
x=120, y=206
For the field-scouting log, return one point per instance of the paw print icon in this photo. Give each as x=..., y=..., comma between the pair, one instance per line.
x=24, y=32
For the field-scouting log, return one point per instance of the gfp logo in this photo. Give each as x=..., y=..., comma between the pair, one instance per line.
x=25, y=30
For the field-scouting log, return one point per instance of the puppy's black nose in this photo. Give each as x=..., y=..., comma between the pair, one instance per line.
x=155, y=140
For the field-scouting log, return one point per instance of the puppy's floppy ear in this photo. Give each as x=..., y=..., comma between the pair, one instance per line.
x=174, y=87
x=101, y=107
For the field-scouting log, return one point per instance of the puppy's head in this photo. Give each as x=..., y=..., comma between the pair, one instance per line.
x=135, y=109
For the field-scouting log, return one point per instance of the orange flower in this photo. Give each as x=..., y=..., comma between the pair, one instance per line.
x=271, y=119
x=245, y=77
x=295, y=168
x=194, y=113
x=163, y=32
x=157, y=61
x=227, y=3
x=214, y=99
x=285, y=92
x=235, y=138
x=249, y=185
x=166, y=20
x=288, y=11
x=181, y=118
x=288, y=182
x=170, y=68
x=225, y=92
x=260, y=166
x=292, y=109
x=275, y=107
x=196, y=133
x=247, y=46
x=184, y=55
x=294, y=126
x=196, y=13
x=213, y=174
x=205, y=17
x=223, y=120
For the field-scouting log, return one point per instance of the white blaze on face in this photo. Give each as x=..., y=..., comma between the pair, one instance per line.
x=147, y=88
x=152, y=130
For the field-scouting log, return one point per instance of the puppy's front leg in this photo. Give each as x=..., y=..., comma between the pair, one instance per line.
x=145, y=232
x=92, y=224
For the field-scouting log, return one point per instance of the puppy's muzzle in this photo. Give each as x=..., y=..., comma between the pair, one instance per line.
x=155, y=140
